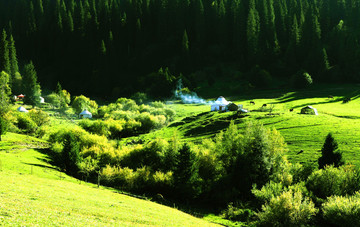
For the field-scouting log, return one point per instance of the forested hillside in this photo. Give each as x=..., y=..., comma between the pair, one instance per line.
x=116, y=47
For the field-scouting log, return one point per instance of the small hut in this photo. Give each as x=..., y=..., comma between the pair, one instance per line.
x=232, y=107
x=85, y=114
x=309, y=110
x=219, y=104
x=22, y=109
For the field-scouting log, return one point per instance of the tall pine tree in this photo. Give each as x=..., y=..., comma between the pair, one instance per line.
x=31, y=87
x=4, y=53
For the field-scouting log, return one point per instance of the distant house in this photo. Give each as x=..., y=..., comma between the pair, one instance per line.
x=85, y=114
x=22, y=109
x=309, y=110
x=219, y=104
x=21, y=96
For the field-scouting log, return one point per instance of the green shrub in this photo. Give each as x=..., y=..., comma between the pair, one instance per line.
x=98, y=127
x=330, y=181
x=238, y=214
x=140, y=98
x=157, y=104
x=152, y=155
x=342, y=211
x=54, y=99
x=301, y=79
x=81, y=103
x=25, y=123
x=39, y=117
x=127, y=104
x=259, y=77
x=290, y=208
x=260, y=158
x=122, y=178
x=268, y=191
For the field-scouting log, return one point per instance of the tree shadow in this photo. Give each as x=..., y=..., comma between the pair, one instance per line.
x=51, y=157
x=321, y=92
x=40, y=165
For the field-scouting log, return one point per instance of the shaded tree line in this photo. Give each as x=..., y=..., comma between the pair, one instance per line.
x=91, y=45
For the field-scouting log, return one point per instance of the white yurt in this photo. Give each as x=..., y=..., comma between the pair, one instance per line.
x=309, y=110
x=219, y=104
x=22, y=109
x=85, y=114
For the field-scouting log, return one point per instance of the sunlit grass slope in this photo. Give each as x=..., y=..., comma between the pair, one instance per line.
x=304, y=134
x=34, y=193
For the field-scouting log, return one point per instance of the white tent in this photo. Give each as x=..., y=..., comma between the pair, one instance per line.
x=219, y=104
x=309, y=110
x=42, y=100
x=85, y=114
x=22, y=109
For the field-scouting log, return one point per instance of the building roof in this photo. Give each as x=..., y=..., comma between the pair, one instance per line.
x=22, y=109
x=85, y=112
x=221, y=101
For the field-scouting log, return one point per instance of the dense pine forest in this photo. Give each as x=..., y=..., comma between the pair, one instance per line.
x=111, y=48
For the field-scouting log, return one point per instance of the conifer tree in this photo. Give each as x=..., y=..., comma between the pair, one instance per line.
x=185, y=171
x=185, y=43
x=5, y=92
x=31, y=87
x=71, y=154
x=14, y=67
x=58, y=88
x=3, y=126
x=4, y=53
x=330, y=155
x=253, y=31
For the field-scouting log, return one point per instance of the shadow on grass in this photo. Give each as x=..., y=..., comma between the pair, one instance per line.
x=208, y=126
x=51, y=157
x=341, y=93
x=40, y=165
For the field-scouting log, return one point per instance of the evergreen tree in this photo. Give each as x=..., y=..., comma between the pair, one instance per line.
x=14, y=67
x=5, y=92
x=31, y=87
x=185, y=172
x=58, y=89
x=185, y=44
x=330, y=155
x=3, y=126
x=71, y=154
x=253, y=31
x=4, y=53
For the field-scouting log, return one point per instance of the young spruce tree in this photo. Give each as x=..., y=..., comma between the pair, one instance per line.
x=31, y=87
x=330, y=153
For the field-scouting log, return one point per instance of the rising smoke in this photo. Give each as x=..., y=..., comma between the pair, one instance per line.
x=191, y=98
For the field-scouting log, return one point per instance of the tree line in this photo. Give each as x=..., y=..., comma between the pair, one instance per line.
x=91, y=45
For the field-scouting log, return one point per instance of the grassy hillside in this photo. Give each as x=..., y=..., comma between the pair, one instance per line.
x=301, y=132
x=33, y=192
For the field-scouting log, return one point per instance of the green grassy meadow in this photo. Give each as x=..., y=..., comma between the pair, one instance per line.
x=35, y=193
x=301, y=132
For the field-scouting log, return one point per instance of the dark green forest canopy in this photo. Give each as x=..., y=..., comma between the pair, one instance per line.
x=116, y=47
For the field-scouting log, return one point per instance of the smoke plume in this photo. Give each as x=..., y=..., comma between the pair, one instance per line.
x=188, y=98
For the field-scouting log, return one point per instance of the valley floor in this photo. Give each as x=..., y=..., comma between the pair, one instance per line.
x=34, y=193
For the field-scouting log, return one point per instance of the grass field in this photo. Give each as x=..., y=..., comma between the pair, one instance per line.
x=301, y=132
x=34, y=193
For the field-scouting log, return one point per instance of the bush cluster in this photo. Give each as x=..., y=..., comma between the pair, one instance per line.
x=235, y=166
x=125, y=118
